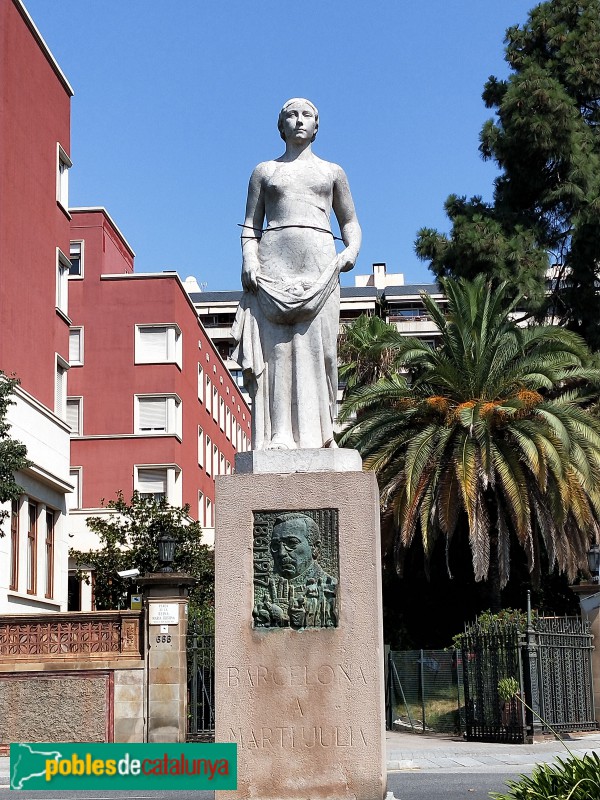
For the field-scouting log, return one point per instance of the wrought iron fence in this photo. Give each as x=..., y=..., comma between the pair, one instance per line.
x=564, y=663
x=201, y=687
x=550, y=661
x=489, y=654
x=424, y=691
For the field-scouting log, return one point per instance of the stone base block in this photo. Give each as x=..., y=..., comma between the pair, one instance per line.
x=306, y=705
x=324, y=459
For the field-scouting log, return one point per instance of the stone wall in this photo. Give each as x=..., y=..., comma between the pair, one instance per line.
x=72, y=677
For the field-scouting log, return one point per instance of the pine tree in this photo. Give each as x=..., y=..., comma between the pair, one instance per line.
x=545, y=139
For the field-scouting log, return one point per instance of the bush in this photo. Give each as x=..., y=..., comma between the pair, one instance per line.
x=574, y=779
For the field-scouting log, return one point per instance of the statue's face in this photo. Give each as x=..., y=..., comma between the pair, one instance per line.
x=291, y=550
x=299, y=122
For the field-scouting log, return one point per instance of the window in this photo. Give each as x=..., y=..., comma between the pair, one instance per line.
x=158, y=344
x=208, y=451
x=208, y=518
x=152, y=483
x=49, y=553
x=62, y=178
x=32, y=549
x=215, y=404
x=14, y=546
x=63, y=265
x=76, y=347
x=200, y=383
x=215, y=459
x=208, y=394
x=60, y=398
x=228, y=423
x=228, y=468
x=159, y=481
x=74, y=415
x=158, y=414
x=200, y=446
x=74, y=498
x=221, y=464
x=222, y=413
x=201, y=508
x=76, y=259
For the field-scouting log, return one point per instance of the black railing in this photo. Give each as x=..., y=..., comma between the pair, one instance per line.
x=201, y=687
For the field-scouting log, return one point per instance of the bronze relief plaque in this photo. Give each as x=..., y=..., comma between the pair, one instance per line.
x=296, y=569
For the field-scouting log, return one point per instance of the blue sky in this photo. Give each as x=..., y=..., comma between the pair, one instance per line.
x=176, y=102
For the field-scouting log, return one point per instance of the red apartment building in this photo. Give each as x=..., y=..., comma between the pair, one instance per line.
x=150, y=403
x=34, y=315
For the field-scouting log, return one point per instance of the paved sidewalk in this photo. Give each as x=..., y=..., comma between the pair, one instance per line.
x=413, y=752
x=407, y=751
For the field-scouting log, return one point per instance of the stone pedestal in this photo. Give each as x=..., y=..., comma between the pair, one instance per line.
x=304, y=704
x=166, y=607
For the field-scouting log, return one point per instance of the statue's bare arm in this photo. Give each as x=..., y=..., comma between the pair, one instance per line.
x=343, y=208
x=251, y=232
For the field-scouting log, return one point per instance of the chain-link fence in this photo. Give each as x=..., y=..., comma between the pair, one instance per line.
x=425, y=691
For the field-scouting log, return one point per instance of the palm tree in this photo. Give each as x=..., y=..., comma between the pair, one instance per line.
x=492, y=423
x=364, y=351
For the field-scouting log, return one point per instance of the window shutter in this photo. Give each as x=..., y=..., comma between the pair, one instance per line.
x=75, y=346
x=152, y=481
x=60, y=391
x=153, y=343
x=153, y=413
x=73, y=415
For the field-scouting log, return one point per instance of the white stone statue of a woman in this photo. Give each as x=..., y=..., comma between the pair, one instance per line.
x=287, y=323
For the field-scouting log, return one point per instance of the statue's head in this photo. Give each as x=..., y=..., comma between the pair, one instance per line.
x=292, y=102
x=294, y=543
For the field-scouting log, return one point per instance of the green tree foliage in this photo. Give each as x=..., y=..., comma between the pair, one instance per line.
x=13, y=454
x=545, y=140
x=128, y=538
x=363, y=349
x=491, y=428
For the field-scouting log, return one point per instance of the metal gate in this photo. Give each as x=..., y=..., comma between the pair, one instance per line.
x=564, y=656
x=490, y=653
x=551, y=662
x=201, y=688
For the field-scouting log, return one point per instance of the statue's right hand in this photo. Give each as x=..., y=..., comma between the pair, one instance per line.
x=249, y=280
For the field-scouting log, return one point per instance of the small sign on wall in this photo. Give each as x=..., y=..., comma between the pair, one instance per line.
x=136, y=602
x=164, y=614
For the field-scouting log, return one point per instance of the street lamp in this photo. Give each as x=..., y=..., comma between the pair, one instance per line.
x=166, y=551
x=593, y=557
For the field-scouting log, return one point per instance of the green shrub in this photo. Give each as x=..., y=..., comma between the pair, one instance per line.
x=574, y=779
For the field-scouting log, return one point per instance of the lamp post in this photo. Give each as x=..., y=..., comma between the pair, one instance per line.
x=593, y=557
x=166, y=551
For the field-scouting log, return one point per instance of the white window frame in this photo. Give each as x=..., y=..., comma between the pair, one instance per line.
x=208, y=452
x=201, y=508
x=208, y=396
x=221, y=413
x=74, y=498
x=215, y=460
x=208, y=517
x=200, y=383
x=173, y=480
x=173, y=415
x=77, y=362
x=60, y=403
x=62, y=282
x=200, y=447
x=228, y=423
x=81, y=244
x=215, y=403
x=173, y=344
x=75, y=401
x=63, y=165
x=222, y=464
